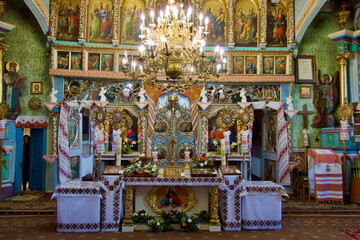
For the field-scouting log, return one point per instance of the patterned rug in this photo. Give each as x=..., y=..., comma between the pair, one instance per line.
x=293, y=228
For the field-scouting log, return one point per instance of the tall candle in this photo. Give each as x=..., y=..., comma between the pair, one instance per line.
x=118, y=153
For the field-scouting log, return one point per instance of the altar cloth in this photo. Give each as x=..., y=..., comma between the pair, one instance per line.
x=78, y=207
x=325, y=175
x=261, y=205
x=230, y=202
x=111, y=204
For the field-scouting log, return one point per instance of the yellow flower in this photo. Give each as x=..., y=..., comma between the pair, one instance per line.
x=184, y=224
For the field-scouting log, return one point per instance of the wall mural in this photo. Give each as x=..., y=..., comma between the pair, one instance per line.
x=68, y=19
x=246, y=23
x=131, y=21
x=277, y=25
x=215, y=11
x=100, y=19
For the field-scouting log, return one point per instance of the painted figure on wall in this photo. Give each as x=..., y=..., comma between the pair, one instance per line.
x=68, y=21
x=63, y=60
x=251, y=65
x=131, y=21
x=14, y=86
x=268, y=65
x=277, y=26
x=106, y=62
x=280, y=65
x=126, y=123
x=246, y=24
x=171, y=199
x=325, y=98
x=101, y=17
x=215, y=14
x=216, y=133
x=76, y=61
x=239, y=65
x=94, y=61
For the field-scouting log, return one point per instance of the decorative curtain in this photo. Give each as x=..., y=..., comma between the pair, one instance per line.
x=63, y=145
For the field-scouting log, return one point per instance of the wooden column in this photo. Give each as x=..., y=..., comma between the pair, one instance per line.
x=129, y=205
x=342, y=58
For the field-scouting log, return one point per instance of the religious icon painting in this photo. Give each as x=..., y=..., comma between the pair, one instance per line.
x=277, y=25
x=68, y=20
x=251, y=65
x=107, y=62
x=268, y=65
x=131, y=21
x=239, y=65
x=94, y=62
x=36, y=87
x=129, y=130
x=100, y=21
x=246, y=23
x=76, y=61
x=63, y=60
x=122, y=65
x=280, y=65
x=270, y=170
x=214, y=11
x=305, y=92
x=171, y=198
x=74, y=129
x=75, y=167
x=270, y=131
x=216, y=130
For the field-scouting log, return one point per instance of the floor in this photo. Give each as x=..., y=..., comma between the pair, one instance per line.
x=293, y=227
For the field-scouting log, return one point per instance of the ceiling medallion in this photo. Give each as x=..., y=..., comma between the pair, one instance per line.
x=227, y=117
x=246, y=117
x=35, y=104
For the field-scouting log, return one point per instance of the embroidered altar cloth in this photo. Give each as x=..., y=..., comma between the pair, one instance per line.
x=325, y=174
x=261, y=205
x=78, y=207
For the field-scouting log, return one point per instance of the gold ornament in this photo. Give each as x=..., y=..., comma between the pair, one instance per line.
x=158, y=193
x=246, y=117
x=345, y=111
x=227, y=117
x=35, y=104
x=99, y=117
x=4, y=110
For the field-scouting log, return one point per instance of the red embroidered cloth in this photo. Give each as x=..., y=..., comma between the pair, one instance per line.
x=324, y=156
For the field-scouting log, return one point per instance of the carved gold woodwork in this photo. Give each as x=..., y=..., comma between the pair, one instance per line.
x=342, y=58
x=116, y=21
x=214, y=205
x=231, y=22
x=52, y=28
x=205, y=133
x=129, y=205
x=291, y=23
x=143, y=117
x=154, y=201
x=82, y=20
x=53, y=116
x=263, y=22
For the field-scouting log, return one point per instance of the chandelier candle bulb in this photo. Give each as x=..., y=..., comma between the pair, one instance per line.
x=152, y=15
x=216, y=51
x=201, y=18
x=189, y=14
x=143, y=18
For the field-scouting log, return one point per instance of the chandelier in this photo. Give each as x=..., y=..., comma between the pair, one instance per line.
x=172, y=48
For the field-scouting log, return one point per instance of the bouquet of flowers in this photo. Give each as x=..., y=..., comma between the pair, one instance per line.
x=203, y=216
x=141, y=217
x=188, y=224
x=127, y=146
x=162, y=222
x=202, y=162
x=143, y=166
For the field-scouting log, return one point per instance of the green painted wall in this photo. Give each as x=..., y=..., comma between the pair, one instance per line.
x=317, y=43
x=27, y=47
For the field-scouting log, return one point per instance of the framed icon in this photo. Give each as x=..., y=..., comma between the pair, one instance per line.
x=36, y=87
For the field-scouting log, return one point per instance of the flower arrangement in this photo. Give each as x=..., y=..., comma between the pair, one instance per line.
x=141, y=217
x=202, y=162
x=189, y=224
x=127, y=146
x=142, y=166
x=203, y=216
x=162, y=222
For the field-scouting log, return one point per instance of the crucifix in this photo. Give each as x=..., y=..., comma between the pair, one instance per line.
x=305, y=114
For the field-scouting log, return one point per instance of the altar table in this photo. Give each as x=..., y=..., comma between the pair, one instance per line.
x=131, y=182
x=261, y=205
x=78, y=207
x=325, y=174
